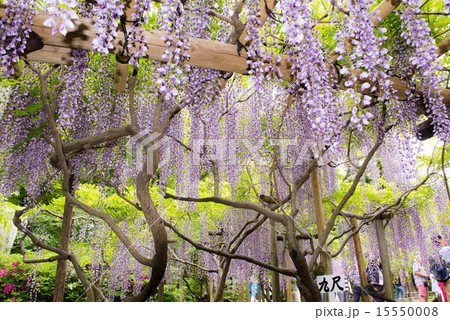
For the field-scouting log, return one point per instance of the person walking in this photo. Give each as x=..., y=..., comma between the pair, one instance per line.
x=444, y=252
x=399, y=291
x=253, y=289
x=373, y=275
x=381, y=281
x=420, y=278
x=356, y=281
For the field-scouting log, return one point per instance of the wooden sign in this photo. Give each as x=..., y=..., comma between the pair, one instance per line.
x=331, y=283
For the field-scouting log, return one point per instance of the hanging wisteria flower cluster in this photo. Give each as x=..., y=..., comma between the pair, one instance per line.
x=360, y=48
x=177, y=41
x=62, y=12
x=447, y=6
x=15, y=33
x=310, y=70
x=5, y=93
x=135, y=34
x=421, y=61
x=262, y=62
x=106, y=14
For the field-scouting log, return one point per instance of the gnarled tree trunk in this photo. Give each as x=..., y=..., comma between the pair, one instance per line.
x=223, y=269
x=159, y=236
x=305, y=282
x=61, y=269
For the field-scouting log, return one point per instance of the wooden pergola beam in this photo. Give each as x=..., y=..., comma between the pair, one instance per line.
x=443, y=47
x=50, y=54
x=384, y=9
x=203, y=53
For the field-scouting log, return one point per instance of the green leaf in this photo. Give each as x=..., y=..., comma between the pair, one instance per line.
x=33, y=107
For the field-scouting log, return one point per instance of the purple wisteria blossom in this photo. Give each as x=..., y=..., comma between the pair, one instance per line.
x=62, y=12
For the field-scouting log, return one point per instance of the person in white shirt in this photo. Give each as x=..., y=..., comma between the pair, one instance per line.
x=436, y=289
x=420, y=278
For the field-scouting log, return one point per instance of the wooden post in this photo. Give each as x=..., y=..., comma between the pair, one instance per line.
x=360, y=261
x=276, y=296
x=289, y=297
x=247, y=290
x=121, y=75
x=121, y=71
x=261, y=291
x=289, y=291
x=211, y=291
x=318, y=204
x=241, y=291
x=384, y=255
x=161, y=292
x=325, y=258
x=406, y=288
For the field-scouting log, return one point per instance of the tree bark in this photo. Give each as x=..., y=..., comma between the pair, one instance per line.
x=288, y=288
x=276, y=296
x=161, y=292
x=384, y=255
x=305, y=282
x=360, y=261
x=61, y=268
x=159, y=236
x=222, y=273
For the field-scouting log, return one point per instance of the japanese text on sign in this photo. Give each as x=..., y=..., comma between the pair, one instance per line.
x=331, y=283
